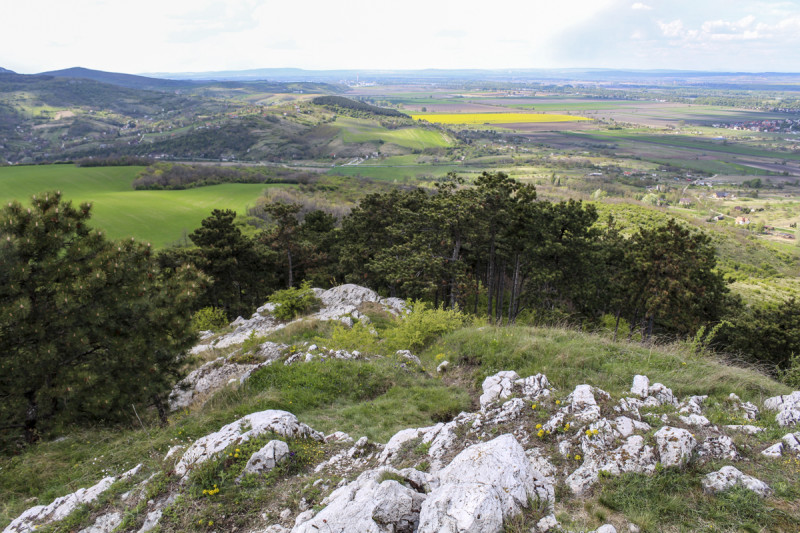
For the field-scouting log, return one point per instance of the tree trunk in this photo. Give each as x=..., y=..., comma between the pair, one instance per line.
x=31, y=418
x=161, y=409
x=500, y=292
x=616, y=326
x=289, y=255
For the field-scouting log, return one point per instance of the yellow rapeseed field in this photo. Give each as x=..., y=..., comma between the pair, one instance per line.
x=495, y=118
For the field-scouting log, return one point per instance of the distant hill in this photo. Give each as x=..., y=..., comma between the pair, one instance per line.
x=6, y=71
x=130, y=81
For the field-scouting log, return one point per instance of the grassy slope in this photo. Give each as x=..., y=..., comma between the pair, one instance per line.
x=388, y=398
x=361, y=130
x=159, y=217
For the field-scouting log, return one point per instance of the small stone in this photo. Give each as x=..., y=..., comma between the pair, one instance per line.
x=286, y=514
x=442, y=368
x=641, y=386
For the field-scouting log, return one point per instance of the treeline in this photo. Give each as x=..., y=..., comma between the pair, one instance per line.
x=347, y=106
x=494, y=249
x=174, y=176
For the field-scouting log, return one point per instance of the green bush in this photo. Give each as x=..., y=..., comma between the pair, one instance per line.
x=294, y=301
x=361, y=337
x=422, y=326
x=209, y=318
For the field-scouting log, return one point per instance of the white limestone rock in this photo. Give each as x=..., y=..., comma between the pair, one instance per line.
x=625, y=427
x=548, y=523
x=267, y=457
x=482, y=486
x=695, y=420
x=779, y=403
x=498, y=387
x=339, y=436
x=59, y=508
x=367, y=505
x=774, y=451
x=692, y=406
x=633, y=456
x=750, y=430
x=582, y=404
x=662, y=394
x=728, y=477
x=275, y=528
x=719, y=447
x=789, y=417
x=406, y=354
x=607, y=528
x=675, y=445
x=442, y=368
x=641, y=386
x=281, y=422
x=398, y=440
x=105, y=523
x=791, y=442
x=534, y=387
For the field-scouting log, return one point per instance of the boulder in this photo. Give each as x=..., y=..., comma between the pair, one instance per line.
x=483, y=485
x=267, y=457
x=728, y=477
x=281, y=422
x=719, y=447
x=582, y=405
x=675, y=445
x=368, y=505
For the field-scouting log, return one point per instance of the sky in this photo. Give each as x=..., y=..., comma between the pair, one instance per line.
x=148, y=36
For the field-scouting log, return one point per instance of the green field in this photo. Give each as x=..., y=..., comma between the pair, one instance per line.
x=158, y=217
x=360, y=131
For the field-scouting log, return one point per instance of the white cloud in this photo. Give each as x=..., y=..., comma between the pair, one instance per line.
x=642, y=7
x=672, y=29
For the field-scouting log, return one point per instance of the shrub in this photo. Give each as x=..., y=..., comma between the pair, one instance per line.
x=209, y=318
x=361, y=337
x=422, y=326
x=294, y=301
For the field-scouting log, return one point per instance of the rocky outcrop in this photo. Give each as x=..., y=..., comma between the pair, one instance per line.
x=60, y=508
x=482, y=468
x=788, y=408
x=244, y=429
x=339, y=303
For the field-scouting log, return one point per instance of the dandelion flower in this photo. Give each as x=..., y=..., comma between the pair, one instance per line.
x=538, y=426
x=577, y=457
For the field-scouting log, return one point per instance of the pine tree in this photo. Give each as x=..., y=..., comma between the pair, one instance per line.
x=88, y=327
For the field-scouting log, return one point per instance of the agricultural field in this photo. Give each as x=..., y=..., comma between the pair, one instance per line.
x=495, y=118
x=157, y=217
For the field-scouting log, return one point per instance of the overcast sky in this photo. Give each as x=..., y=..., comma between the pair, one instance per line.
x=139, y=36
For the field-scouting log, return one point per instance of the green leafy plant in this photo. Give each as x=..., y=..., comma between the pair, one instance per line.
x=294, y=301
x=209, y=318
x=423, y=325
